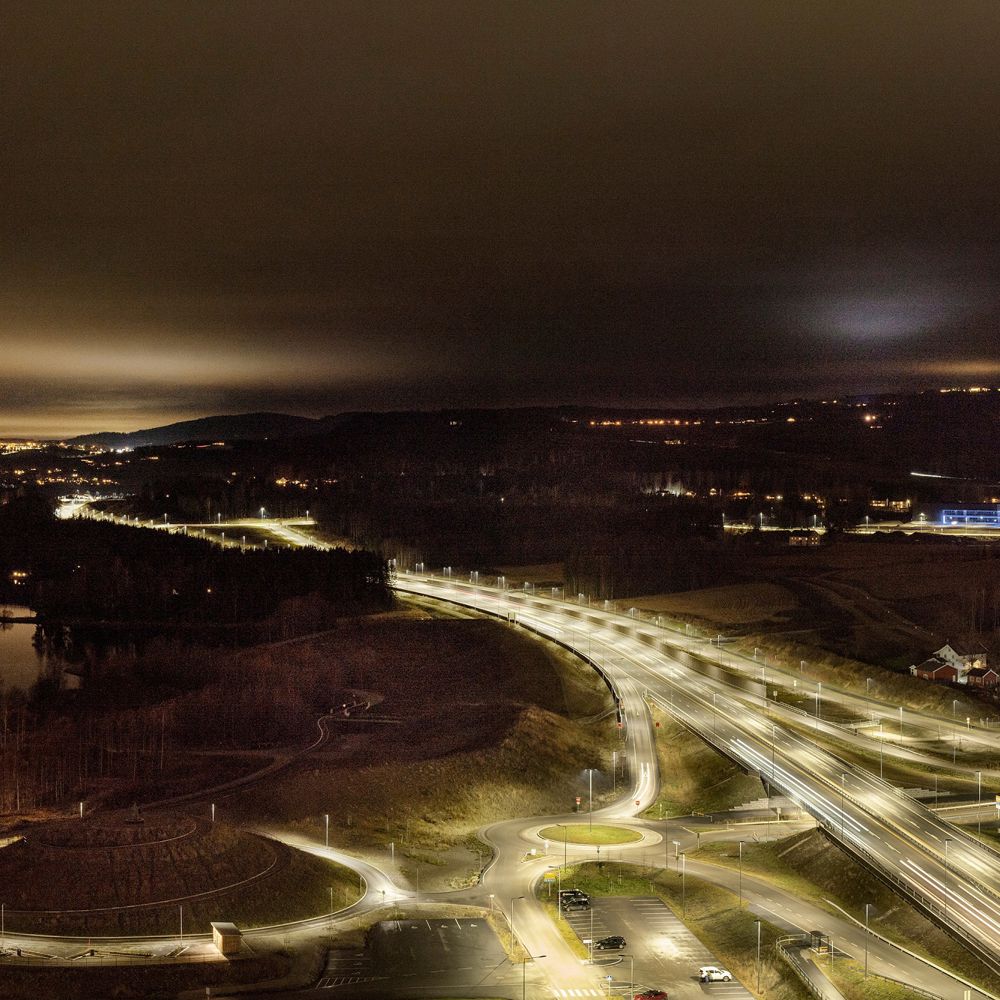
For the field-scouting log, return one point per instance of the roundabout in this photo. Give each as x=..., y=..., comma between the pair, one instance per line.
x=584, y=834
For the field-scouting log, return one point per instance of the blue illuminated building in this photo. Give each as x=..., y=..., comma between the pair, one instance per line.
x=979, y=517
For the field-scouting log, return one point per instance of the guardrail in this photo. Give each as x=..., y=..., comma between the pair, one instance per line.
x=782, y=946
x=928, y=905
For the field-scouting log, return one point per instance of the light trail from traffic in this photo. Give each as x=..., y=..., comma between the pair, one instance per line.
x=959, y=886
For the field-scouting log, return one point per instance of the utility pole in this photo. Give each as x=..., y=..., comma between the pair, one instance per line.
x=741, y=873
x=758, y=956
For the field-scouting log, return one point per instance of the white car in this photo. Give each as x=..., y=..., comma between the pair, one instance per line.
x=713, y=974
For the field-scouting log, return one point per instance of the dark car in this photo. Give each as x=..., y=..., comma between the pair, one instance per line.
x=573, y=894
x=651, y=995
x=576, y=903
x=605, y=944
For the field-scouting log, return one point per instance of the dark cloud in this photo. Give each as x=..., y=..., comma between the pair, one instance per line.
x=319, y=205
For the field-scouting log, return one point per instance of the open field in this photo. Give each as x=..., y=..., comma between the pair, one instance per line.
x=151, y=982
x=696, y=779
x=480, y=728
x=739, y=604
x=537, y=573
x=808, y=865
x=115, y=876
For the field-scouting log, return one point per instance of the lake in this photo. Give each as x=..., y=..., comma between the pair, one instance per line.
x=23, y=660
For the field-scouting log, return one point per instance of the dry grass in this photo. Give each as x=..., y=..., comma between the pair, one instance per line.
x=583, y=833
x=887, y=685
x=849, y=977
x=152, y=982
x=485, y=732
x=809, y=866
x=738, y=604
x=694, y=778
x=552, y=574
x=38, y=876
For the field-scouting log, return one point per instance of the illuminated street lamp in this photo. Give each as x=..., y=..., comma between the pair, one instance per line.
x=524, y=972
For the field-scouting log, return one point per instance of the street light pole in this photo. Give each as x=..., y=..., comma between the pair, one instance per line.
x=947, y=841
x=843, y=781
x=590, y=775
x=758, y=956
x=683, y=883
x=326, y=819
x=741, y=873
x=867, y=908
x=524, y=971
x=513, y=940
x=979, y=802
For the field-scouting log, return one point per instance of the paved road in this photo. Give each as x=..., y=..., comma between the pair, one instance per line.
x=948, y=870
x=938, y=865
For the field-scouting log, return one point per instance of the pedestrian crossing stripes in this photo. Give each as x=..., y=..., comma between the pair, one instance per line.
x=566, y=994
x=332, y=982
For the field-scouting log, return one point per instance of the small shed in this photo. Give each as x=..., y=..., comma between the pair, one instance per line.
x=226, y=937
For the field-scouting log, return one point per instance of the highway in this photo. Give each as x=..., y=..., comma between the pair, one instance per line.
x=941, y=867
x=944, y=869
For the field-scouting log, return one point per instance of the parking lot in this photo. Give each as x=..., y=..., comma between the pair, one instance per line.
x=663, y=953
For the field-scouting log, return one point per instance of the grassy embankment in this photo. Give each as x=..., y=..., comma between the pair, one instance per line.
x=483, y=731
x=694, y=778
x=758, y=611
x=711, y=914
x=812, y=868
x=906, y=774
x=849, y=977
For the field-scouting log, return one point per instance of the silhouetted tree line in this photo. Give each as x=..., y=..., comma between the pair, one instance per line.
x=102, y=571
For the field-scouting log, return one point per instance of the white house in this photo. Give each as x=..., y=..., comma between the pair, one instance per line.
x=962, y=657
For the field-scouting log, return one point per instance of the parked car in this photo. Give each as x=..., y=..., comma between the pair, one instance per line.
x=608, y=943
x=651, y=995
x=574, y=894
x=713, y=974
x=576, y=903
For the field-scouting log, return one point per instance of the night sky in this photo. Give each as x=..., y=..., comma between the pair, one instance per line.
x=311, y=207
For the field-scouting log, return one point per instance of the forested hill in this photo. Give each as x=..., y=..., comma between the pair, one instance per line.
x=94, y=570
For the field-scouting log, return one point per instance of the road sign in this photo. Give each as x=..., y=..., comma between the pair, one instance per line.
x=549, y=877
x=578, y=800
